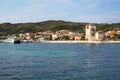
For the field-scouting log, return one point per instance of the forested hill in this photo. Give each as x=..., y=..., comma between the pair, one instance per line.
x=8, y=28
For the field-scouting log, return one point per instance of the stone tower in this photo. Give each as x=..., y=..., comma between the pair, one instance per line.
x=90, y=32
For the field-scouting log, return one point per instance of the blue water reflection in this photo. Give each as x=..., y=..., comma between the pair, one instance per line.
x=44, y=61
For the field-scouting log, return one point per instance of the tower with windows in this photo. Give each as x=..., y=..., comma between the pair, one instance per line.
x=90, y=32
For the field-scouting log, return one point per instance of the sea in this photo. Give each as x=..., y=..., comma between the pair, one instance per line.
x=59, y=61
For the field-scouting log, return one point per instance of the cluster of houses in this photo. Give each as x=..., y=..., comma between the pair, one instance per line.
x=91, y=34
x=49, y=35
x=112, y=33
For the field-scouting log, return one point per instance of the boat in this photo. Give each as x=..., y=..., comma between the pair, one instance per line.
x=12, y=40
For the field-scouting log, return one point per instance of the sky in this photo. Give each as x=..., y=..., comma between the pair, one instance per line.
x=92, y=11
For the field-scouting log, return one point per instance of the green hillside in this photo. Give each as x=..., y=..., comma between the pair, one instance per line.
x=8, y=28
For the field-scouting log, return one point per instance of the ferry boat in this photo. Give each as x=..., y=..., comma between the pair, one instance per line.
x=12, y=40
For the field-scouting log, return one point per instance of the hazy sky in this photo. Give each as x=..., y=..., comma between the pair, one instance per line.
x=99, y=11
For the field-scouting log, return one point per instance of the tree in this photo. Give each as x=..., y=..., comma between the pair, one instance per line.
x=65, y=38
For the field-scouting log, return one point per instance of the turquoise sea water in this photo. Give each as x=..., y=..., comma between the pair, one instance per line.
x=45, y=61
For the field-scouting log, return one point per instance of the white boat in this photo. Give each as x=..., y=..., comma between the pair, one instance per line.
x=12, y=40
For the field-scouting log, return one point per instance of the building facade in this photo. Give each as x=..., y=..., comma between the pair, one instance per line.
x=90, y=32
x=99, y=36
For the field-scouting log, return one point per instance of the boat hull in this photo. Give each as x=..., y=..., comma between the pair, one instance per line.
x=12, y=40
x=17, y=42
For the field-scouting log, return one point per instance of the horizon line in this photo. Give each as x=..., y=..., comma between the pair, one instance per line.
x=58, y=20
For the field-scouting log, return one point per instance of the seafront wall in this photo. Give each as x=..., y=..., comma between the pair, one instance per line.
x=45, y=41
x=80, y=41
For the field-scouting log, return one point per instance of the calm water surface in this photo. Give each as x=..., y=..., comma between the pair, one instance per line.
x=44, y=61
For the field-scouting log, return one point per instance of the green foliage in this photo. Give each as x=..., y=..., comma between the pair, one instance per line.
x=8, y=28
x=83, y=38
x=107, y=27
x=48, y=38
x=116, y=36
x=65, y=38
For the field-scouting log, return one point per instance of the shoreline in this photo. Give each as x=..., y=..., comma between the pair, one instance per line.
x=96, y=42
x=69, y=41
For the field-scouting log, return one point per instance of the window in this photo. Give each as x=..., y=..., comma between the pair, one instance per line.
x=87, y=27
x=93, y=34
x=93, y=29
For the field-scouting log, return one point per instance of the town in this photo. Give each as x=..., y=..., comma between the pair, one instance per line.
x=91, y=34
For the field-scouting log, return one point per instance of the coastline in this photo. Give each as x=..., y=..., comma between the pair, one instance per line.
x=69, y=41
x=96, y=42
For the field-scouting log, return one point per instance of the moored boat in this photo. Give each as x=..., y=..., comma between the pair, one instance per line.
x=12, y=40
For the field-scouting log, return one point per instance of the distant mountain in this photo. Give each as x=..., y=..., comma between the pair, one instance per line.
x=8, y=28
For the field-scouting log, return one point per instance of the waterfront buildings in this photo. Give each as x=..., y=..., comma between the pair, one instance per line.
x=54, y=36
x=99, y=36
x=92, y=34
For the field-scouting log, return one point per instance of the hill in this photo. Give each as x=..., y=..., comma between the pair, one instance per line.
x=9, y=28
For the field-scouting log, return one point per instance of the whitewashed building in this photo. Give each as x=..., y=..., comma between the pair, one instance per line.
x=54, y=36
x=99, y=36
x=90, y=32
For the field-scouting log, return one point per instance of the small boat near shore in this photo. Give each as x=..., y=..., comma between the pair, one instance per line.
x=12, y=40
